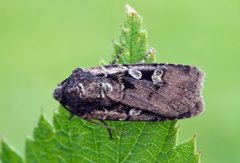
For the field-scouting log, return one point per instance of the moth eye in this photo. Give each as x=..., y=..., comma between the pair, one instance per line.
x=135, y=112
x=135, y=73
x=157, y=76
x=107, y=87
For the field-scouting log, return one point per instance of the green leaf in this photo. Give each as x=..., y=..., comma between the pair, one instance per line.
x=8, y=154
x=132, y=46
x=185, y=152
x=77, y=140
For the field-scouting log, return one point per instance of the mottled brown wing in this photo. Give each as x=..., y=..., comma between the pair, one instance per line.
x=178, y=95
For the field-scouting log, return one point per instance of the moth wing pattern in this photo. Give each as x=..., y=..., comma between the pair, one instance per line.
x=138, y=92
x=178, y=96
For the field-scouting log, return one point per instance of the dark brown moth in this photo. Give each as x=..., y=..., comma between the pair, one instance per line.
x=136, y=92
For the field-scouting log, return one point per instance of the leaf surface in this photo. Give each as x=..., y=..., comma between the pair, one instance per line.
x=8, y=154
x=77, y=140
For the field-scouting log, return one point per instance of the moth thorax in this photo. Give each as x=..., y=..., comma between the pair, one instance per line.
x=91, y=90
x=107, y=87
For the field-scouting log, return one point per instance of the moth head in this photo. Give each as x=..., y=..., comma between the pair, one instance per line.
x=57, y=94
x=59, y=91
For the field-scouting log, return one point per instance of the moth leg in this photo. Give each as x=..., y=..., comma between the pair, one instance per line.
x=104, y=124
x=108, y=129
x=71, y=112
x=115, y=60
x=71, y=116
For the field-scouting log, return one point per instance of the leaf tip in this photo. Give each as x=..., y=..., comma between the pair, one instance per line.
x=198, y=153
x=194, y=137
x=42, y=120
x=178, y=127
x=8, y=153
x=130, y=10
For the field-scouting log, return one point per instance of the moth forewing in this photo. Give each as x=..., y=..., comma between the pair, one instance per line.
x=142, y=92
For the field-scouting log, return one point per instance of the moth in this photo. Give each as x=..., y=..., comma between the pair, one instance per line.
x=133, y=92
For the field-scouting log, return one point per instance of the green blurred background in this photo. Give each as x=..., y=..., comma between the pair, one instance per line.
x=42, y=41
